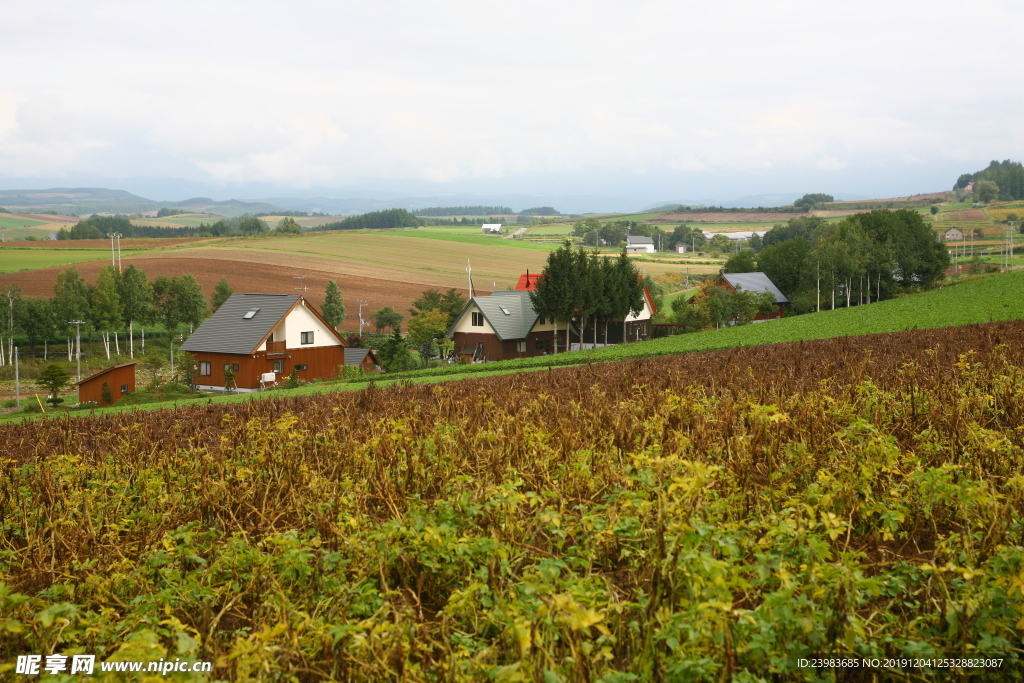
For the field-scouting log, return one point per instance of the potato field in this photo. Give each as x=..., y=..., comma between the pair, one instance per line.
x=711, y=516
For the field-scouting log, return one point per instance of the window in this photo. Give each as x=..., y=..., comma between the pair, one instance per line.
x=305, y=337
x=478, y=319
x=231, y=367
x=279, y=366
x=124, y=388
x=505, y=310
x=543, y=345
x=205, y=368
x=521, y=347
x=302, y=366
x=250, y=314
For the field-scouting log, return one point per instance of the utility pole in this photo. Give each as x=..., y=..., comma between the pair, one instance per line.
x=78, y=346
x=17, y=382
x=113, y=261
x=119, y=252
x=361, y=304
x=302, y=283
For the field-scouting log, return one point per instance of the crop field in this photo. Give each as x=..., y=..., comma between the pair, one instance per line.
x=191, y=220
x=15, y=221
x=966, y=215
x=707, y=517
x=13, y=259
x=1003, y=214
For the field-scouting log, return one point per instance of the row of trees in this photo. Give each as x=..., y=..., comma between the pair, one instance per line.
x=98, y=227
x=464, y=211
x=375, y=220
x=587, y=288
x=863, y=258
x=118, y=301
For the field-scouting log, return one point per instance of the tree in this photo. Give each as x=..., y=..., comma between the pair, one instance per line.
x=105, y=396
x=720, y=242
x=387, y=318
x=424, y=329
x=70, y=299
x=37, y=321
x=334, y=307
x=554, y=295
x=252, y=226
x=743, y=262
x=394, y=353
x=220, y=294
x=53, y=378
x=289, y=227
x=179, y=300
x=986, y=190
x=11, y=304
x=105, y=309
x=450, y=303
x=809, y=201
x=785, y=264
x=136, y=297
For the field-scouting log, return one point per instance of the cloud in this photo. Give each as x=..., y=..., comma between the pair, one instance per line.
x=320, y=93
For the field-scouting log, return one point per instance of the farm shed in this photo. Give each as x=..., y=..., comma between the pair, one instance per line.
x=491, y=228
x=758, y=282
x=365, y=358
x=252, y=335
x=120, y=380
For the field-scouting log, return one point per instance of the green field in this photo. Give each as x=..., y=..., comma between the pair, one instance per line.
x=186, y=221
x=17, y=259
x=8, y=221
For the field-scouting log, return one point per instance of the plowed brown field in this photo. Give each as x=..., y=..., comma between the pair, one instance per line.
x=969, y=215
x=247, y=277
x=725, y=217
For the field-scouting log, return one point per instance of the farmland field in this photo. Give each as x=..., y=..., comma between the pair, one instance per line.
x=179, y=221
x=697, y=518
x=18, y=259
x=13, y=221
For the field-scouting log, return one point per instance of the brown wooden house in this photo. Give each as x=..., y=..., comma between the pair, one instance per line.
x=255, y=340
x=119, y=380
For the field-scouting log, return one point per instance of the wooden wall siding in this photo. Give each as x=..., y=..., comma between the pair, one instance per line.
x=495, y=349
x=92, y=389
x=323, y=362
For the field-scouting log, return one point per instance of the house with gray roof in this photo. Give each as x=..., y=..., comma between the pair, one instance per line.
x=639, y=244
x=501, y=326
x=256, y=340
x=757, y=282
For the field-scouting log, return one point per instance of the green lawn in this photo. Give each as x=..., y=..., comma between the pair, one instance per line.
x=28, y=258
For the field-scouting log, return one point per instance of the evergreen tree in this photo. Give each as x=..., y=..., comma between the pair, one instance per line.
x=334, y=307
x=53, y=378
x=220, y=294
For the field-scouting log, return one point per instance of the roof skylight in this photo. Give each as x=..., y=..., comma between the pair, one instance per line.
x=250, y=314
x=505, y=310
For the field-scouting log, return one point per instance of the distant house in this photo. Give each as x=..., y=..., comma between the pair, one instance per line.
x=953, y=234
x=757, y=282
x=263, y=338
x=119, y=381
x=491, y=228
x=639, y=244
x=680, y=248
x=969, y=189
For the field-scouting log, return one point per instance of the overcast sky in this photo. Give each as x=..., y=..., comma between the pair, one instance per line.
x=640, y=100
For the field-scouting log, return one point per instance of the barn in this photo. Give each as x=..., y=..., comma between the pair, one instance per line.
x=119, y=380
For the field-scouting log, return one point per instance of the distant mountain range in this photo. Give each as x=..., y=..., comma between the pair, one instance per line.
x=89, y=200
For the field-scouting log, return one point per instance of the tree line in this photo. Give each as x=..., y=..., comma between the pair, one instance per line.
x=119, y=301
x=582, y=286
x=98, y=227
x=375, y=220
x=464, y=211
x=1006, y=178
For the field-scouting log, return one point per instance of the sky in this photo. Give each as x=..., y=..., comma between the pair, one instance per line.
x=624, y=102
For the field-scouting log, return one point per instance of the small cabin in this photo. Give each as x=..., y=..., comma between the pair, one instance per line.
x=115, y=381
x=491, y=228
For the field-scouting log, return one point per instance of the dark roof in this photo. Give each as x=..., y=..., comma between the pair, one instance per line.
x=105, y=371
x=228, y=331
x=639, y=239
x=755, y=282
x=357, y=356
